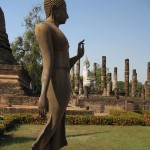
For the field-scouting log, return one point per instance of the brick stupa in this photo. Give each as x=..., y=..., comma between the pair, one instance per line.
x=14, y=80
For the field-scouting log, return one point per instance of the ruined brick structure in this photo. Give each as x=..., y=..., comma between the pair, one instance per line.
x=14, y=80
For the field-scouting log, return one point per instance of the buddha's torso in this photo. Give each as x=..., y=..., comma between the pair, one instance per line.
x=60, y=48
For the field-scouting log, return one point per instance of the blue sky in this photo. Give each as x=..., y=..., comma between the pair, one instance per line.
x=117, y=29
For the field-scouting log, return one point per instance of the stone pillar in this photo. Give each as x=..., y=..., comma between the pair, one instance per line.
x=72, y=77
x=77, y=76
x=147, y=83
x=148, y=72
x=86, y=92
x=109, y=84
x=115, y=79
x=103, y=74
x=94, y=70
x=81, y=87
x=126, y=77
x=134, y=83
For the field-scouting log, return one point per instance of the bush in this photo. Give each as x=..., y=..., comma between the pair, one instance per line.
x=104, y=120
x=117, y=117
x=122, y=113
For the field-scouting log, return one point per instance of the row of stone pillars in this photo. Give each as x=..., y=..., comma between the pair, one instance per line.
x=107, y=86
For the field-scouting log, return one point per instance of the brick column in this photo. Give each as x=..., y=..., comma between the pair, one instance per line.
x=147, y=84
x=134, y=83
x=148, y=72
x=126, y=77
x=72, y=77
x=115, y=79
x=81, y=87
x=77, y=75
x=109, y=84
x=94, y=71
x=103, y=74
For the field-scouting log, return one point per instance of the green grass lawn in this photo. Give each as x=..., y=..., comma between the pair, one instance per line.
x=84, y=138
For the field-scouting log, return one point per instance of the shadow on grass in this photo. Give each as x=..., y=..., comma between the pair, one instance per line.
x=10, y=139
x=86, y=134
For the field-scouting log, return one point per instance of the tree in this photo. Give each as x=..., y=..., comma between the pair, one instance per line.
x=139, y=88
x=26, y=50
x=120, y=85
x=98, y=76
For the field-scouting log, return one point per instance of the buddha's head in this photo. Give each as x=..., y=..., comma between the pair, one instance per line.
x=52, y=5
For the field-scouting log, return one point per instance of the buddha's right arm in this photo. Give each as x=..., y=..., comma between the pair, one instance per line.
x=44, y=38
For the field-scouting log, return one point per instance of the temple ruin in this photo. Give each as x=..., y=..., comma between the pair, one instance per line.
x=15, y=83
x=110, y=95
x=14, y=80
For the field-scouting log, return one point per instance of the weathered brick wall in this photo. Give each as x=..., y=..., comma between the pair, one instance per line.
x=101, y=104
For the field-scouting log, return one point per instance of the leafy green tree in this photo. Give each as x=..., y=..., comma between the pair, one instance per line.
x=26, y=49
x=98, y=76
x=139, y=88
x=120, y=85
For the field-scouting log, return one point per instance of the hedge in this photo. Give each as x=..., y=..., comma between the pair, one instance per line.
x=10, y=121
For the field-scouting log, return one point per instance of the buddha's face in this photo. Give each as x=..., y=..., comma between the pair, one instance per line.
x=61, y=14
